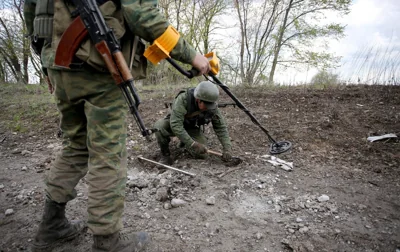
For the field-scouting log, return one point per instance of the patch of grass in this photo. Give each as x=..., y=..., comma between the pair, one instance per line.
x=165, y=92
x=23, y=105
x=16, y=124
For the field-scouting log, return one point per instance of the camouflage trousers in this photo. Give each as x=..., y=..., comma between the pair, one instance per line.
x=164, y=134
x=93, y=120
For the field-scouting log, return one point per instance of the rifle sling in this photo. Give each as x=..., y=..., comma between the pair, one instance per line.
x=193, y=114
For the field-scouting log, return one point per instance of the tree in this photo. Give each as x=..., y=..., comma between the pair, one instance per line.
x=257, y=21
x=324, y=78
x=197, y=21
x=284, y=33
x=14, y=47
x=301, y=25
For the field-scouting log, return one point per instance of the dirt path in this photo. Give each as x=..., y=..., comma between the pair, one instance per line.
x=342, y=195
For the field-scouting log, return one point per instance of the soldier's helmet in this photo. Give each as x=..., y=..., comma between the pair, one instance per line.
x=208, y=93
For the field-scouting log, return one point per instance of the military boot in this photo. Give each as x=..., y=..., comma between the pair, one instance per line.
x=120, y=242
x=165, y=156
x=55, y=228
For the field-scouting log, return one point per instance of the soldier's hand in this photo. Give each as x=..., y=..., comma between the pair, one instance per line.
x=226, y=155
x=201, y=64
x=199, y=148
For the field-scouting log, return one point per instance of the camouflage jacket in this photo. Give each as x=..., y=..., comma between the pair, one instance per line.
x=179, y=120
x=142, y=17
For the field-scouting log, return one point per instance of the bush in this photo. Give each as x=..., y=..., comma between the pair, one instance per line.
x=324, y=79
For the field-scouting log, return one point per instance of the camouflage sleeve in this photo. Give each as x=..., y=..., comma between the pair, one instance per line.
x=145, y=20
x=221, y=130
x=29, y=14
x=177, y=118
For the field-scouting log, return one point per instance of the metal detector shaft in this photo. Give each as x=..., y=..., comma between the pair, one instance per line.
x=241, y=106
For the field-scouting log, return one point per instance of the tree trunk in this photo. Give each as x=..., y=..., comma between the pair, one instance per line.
x=279, y=44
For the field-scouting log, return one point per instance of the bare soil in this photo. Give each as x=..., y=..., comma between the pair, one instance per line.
x=258, y=206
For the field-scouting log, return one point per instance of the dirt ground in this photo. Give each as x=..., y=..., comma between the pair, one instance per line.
x=342, y=194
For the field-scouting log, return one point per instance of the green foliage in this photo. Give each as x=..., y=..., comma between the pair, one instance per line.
x=324, y=79
x=16, y=123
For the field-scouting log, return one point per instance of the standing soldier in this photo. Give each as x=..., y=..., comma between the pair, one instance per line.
x=191, y=109
x=93, y=117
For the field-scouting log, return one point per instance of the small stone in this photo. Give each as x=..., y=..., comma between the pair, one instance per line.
x=9, y=212
x=285, y=241
x=15, y=151
x=1, y=186
x=25, y=152
x=24, y=168
x=259, y=235
x=163, y=181
x=303, y=230
x=167, y=205
x=210, y=200
x=323, y=198
x=162, y=194
x=177, y=202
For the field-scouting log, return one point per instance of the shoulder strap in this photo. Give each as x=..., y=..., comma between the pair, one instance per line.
x=193, y=114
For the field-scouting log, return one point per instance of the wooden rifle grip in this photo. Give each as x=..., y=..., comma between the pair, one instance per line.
x=105, y=53
x=122, y=66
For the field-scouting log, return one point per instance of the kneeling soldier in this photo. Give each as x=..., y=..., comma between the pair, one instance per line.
x=191, y=109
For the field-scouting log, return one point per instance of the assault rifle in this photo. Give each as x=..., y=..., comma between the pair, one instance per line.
x=224, y=105
x=89, y=21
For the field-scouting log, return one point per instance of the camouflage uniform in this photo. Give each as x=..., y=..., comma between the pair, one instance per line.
x=93, y=112
x=185, y=120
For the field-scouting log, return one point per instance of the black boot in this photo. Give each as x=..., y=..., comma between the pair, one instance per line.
x=165, y=157
x=120, y=242
x=55, y=228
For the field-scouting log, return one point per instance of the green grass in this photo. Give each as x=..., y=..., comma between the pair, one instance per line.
x=26, y=107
